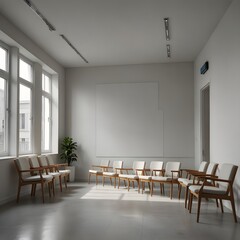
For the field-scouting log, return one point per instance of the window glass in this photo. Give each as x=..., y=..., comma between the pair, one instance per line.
x=46, y=83
x=25, y=119
x=3, y=59
x=45, y=124
x=2, y=115
x=25, y=70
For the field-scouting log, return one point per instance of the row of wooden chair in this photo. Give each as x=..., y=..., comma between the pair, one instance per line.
x=201, y=183
x=139, y=174
x=42, y=170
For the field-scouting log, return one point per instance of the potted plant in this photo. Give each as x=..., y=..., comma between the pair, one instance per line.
x=68, y=147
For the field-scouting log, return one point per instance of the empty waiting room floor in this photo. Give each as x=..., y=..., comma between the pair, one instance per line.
x=89, y=212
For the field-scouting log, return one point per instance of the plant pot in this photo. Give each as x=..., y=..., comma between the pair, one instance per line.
x=72, y=173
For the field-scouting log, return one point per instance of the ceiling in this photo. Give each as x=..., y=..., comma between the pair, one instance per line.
x=118, y=32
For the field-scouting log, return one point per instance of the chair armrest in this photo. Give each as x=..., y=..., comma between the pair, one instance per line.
x=124, y=168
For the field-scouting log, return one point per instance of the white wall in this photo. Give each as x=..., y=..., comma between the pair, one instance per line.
x=223, y=53
x=175, y=100
x=18, y=40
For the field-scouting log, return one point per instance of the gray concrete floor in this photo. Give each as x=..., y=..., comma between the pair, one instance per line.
x=89, y=212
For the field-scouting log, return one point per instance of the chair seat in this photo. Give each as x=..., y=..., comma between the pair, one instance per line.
x=187, y=182
x=37, y=177
x=95, y=171
x=55, y=174
x=207, y=189
x=145, y=178
x=110, y=174
x=129, y=176
x=159, y=178
x=182, y=179
x=65, y=171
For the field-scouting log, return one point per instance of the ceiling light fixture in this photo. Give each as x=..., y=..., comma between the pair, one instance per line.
x=168, y=50
x=36, y=11
x=70, y=44
x=166, y=23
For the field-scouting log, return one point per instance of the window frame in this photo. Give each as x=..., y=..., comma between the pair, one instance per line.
x=30, y=85
x=47, y=95
x=4, y=74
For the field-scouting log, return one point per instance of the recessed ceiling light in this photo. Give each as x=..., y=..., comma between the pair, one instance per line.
x=168, y=50
x=166, y=24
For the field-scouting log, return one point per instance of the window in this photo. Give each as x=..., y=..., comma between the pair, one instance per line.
x=46, y=112
x=3, y=99
x=25, y=106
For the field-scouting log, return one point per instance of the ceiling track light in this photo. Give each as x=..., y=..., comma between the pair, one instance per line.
x=70, y=44
x=168, y=51
x=166, y=24
x=36, y=11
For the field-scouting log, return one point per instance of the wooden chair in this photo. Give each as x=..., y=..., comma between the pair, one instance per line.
x=43, y=162
x=155, y=169
x=132, y=174
x=60, y=168
x=32, y=177
x=195, y=177
x=223, y=189
x=116, y=170
x=98, y=170
x=171, y=175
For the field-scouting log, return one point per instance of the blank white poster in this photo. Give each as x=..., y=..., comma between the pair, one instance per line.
x=128, y=120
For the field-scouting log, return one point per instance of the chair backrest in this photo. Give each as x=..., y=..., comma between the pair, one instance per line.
x=34, y=163
x=203, y=166
x=104, y=163
x=50, y=160
x=227, y=171
x=139, y=165
x=172, y=166
x=22, y=163
x=117, y=164
x=156, y=165
x=43, y=161
x=212, y=168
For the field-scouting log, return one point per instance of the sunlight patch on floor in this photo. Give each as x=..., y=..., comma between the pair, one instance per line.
x=111, y=193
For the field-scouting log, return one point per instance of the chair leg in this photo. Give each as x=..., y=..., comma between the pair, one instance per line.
x=115, y=179
x=171, y=190
x=233, y=209
x=186, y=196
x=199, y=205
x=111, y=181
x=118, y=182
x=65, y=181
x=60, y=182
x=190, y=202
x=179, y=190
x=221, y=204
x=152, y=188
x=18, y=193
x=138, y=186
x=128, y=185
x=103, y=180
